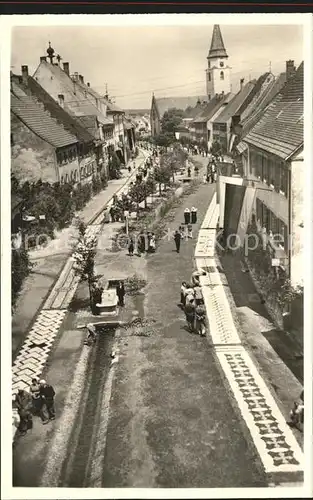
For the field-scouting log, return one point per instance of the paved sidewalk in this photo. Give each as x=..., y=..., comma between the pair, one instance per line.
x=275, y=351
x=49, y=263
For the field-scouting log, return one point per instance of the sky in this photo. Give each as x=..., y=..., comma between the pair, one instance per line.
x=135, y=61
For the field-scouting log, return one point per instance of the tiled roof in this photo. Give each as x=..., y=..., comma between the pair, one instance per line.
x=110, y=106
x=217, y=48
x=262, y=81
x=191, y=113
x=280, y=129
x=78, y=105
x=212, y=107
x=166, y=103
x=255, y=109
x=235, y=104
x=33, y=115
x=71, y=124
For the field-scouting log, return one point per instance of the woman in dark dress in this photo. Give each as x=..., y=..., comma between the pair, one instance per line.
x=121, y=293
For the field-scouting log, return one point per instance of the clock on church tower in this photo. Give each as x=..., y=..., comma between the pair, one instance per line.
x=218, y=72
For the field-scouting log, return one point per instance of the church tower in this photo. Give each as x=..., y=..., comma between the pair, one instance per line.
x=218, y=72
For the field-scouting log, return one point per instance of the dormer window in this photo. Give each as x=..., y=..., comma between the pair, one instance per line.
x=222, y=75
x=222, y=64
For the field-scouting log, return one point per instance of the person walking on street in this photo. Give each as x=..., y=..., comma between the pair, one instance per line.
x=34, y=390
x=189, y=172
x=177, y=238
x=23, y=402
x=112, y=213
x=152, y=244
x=189, y=294
x=200, y=320
x=190, y=314
x=187, y=215
x=198, y=295
x=131, y=247
x=141, y=243
x=120, y=290
x=194, y=211
x=183, y=289
x=47, y=393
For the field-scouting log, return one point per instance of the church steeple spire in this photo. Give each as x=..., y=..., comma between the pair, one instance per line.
x=217, y=48
x=218, y=72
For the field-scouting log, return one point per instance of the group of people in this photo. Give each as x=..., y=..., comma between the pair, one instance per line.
x=146, y=243
x=38, y=401
x=297, y=413
x=185, y=230
x=190, y=215
x=211, y=173
x=191, y=300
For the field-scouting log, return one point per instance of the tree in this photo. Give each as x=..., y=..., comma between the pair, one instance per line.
x=20, y=268
x=85, y=249
x=162, y=175
x=171, y=120
x=217, y=149
x=138, y=193
x=163, y=140
x=114, y=167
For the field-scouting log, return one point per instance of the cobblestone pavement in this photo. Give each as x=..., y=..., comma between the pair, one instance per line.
x=274, y=440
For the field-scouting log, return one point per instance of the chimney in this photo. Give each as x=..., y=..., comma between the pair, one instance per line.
x=25, y=74
x=81, y=78
x=242, y=81
x=66, y=68
x=43, y=59
x=88, y=84
x=61, y=100
x=290, y=69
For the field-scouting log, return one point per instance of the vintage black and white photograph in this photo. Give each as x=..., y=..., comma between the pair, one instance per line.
x=157, y=198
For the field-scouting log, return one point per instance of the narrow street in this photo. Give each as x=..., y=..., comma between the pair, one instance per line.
x=50, y=261
x=113, y=168
x=170, y=419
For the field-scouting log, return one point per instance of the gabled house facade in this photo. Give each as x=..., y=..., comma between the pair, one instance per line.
x=69, y=91
x=273, y=161
x=202, y=124
x=41, y=148
x=28, y=90
x=223, y=122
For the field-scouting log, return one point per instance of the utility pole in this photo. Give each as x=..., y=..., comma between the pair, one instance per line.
x=270, y=67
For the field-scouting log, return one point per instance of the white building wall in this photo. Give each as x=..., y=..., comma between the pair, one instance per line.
x=297, y=220
x=210, y=124
x=217, y=85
